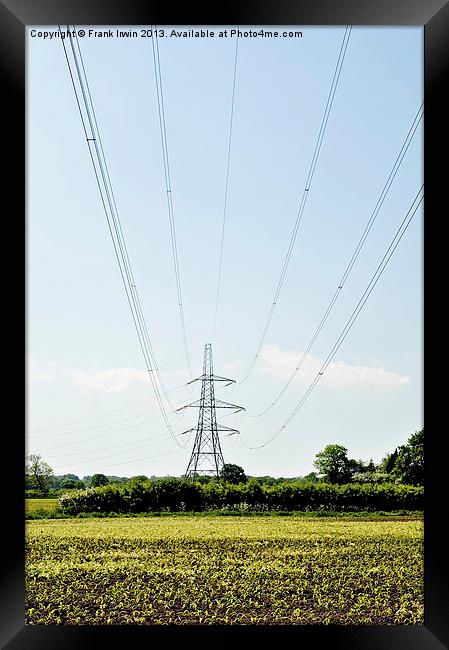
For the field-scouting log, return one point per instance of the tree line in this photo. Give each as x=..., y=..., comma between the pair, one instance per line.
x=405, y=465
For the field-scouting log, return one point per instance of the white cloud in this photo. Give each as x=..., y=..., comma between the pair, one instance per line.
x=281, y=363
x=42, y=372
x=111, y=380
x=94, y=379
x=232, y=366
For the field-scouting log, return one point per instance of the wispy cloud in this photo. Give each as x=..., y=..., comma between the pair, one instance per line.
x=231, y=366
x=94, y=379
x=110, y=380
x=42, y=372
x=281, y=363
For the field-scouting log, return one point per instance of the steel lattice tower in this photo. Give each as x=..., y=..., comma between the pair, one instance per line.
x=207, y=457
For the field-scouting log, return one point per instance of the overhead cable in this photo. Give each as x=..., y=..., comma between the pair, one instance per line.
x=353, y=258
x=134, y=460
x=168, y=187
x=107, y=197
x=100, y=415
x=220, y=263
x=305, y=195
x=377, y=274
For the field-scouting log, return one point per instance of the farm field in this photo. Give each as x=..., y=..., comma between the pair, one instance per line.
x=224, y=570
x=47, y=506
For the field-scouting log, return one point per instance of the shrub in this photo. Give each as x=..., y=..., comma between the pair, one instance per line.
x=178, y=495
x=33, y=494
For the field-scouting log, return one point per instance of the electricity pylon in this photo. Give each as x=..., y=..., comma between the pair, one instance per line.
x=207, y=457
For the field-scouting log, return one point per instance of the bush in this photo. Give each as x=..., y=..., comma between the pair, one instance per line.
x=33, y=494
x=182, y=495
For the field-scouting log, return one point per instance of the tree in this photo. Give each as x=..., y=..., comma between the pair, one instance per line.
x=71, y=484
x=201, y=478
x=388, y=462
x=312, y=477
x=117, y=480
x=372, y=477
x=99, y=479
x=264, y=480
x=409, y=465
x=39, y=473
x=72, y=477
x=233, y=474
x=334, y=465
x=360, y=467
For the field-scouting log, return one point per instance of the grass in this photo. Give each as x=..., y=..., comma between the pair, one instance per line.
x=224, y=570
x=40, y=507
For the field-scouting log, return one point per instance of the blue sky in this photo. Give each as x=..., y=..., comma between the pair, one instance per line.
x=83, y=355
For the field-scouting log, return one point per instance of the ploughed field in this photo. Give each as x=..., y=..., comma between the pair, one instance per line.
x=224, y=570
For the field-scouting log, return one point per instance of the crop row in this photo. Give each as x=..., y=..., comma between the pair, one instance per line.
x=249, y=572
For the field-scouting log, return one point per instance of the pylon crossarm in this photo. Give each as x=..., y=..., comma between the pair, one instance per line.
x=194, y=380
x=212, y=378
x=229, y=430
x=219, y=427
x=192, y=404
x=218, y=378
x=227, y=405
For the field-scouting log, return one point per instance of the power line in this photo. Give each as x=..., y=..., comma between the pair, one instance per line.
x=122, y=243
x=220, y=264
x=310, y=175
x=168, y=187
x=102, y=435
x=108, y=433
x=114, y=226
x=117, y=453
x=52, y=407
x=94, y=417
x=135, y=460
x=156, y=439
x=121, y=253
x=98, y=426
x=377, y=274
x=353, y=258
x=116, y=220
x=100, y=415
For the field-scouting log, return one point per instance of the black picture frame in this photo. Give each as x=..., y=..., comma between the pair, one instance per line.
x=433, y=15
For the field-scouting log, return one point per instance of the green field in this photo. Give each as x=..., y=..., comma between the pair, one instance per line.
x=219, y=570
x=41, y=506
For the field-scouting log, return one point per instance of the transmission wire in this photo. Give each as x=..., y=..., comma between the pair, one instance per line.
x=117, y=223
x=117, y=453
x=220, y=264
x=135, y=460
x=157, y=438
x=100, y=415
x=353, y=258
x=166, y=162
x=119, y=246
x=98, y=426
x=310, y=175
x=111, y=433
x=377, y=274
x=122, y=257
